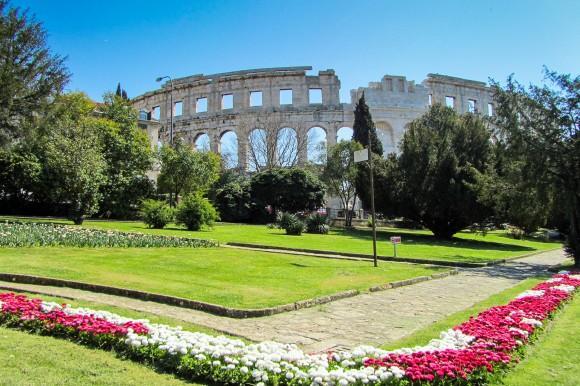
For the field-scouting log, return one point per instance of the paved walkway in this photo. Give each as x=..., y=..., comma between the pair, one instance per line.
x=373, y=318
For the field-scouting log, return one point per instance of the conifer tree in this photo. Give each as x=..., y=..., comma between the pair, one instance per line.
x=363, y=122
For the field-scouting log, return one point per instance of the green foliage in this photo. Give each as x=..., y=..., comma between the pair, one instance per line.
x=184, y=170
x=129, y=157
x=30, y=75
x=288, y=189
x=156, y=214
x=317, y=223
x=432, y=180
x=340, y=175
x=363, y=123
x=290, y=223
x=18, y=235
x=194, y=212
x=74, y=161
x=540, y=126
x=20, y=170
x=234, y=202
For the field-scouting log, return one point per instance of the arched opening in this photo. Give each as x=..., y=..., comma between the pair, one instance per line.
x=344, y=134
x=286, y=147
x=386, y=136
x=258, y=149
x=201, y=142
x=316, y=142
x=229, y=149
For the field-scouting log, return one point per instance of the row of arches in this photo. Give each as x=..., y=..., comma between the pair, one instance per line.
x=282, y=148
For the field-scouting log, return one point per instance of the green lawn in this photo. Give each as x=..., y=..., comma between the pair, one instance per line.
x=226, y=276
x=40, y=360
x=466, y=246
x=554, y=359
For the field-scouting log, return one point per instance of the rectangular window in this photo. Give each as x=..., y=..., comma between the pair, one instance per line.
x=471, y=106
x=156, y=113
x=450, y=101
x=255, y=98
x=201, y=105
x=227, y=101
x=490, y=109
x=286, y=97
x=430, y=99
x=178, y=109
x=315, y=96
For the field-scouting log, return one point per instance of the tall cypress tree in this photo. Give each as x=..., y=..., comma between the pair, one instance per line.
x=363, y=122
x=124, y=95
x=118, y=92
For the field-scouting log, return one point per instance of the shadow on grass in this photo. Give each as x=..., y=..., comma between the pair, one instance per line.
x=430, y=240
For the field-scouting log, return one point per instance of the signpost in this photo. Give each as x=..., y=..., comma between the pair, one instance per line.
x=360, y=156
x=395, y=240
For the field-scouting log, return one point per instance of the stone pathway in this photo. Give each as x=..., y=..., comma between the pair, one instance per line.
x=373, y=318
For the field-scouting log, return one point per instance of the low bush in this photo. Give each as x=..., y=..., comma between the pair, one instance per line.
x=290, y=223
x=194, y=212
x=317, y=223
x=156, y=214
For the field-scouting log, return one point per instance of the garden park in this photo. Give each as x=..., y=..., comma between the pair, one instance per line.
x=127, y=263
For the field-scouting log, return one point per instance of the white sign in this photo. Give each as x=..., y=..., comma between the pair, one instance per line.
x=396, y=239
x=361, y=155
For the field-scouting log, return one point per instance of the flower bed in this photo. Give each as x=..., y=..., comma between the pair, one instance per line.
x=466, y=354
x=18, y=234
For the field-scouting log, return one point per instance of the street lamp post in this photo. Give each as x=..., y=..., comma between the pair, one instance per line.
x=159, y=79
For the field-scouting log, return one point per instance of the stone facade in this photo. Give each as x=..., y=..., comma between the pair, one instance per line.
x=243, y=101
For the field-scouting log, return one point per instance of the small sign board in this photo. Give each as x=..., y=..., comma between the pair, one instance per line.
x=361, y=155
x=396, y=239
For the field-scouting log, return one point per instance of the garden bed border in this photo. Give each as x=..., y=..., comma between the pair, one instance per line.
x=210, y=308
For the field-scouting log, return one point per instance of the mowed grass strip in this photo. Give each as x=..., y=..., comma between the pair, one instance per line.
x=554, y=359
x=40, y=360
x=229, y=277
x=465, y=247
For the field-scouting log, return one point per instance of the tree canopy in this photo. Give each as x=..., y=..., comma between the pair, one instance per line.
x=30, y=74
x=540, y=125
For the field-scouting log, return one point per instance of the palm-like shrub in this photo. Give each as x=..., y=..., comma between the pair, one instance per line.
x=195, y=211
x=317, y=223
x=156, y=214
x=290, y=223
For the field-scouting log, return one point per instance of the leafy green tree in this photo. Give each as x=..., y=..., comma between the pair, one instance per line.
x=433, y=179
x=507, y=189
x=129, y=157
x=74, y=165
x=185, y=170
x=340, y=175
x=234, y=201
x=541, y=126
x=30, y=75
x=287, y=189
x=19, y=172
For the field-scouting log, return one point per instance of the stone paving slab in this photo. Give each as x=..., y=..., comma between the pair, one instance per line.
x=373, y=318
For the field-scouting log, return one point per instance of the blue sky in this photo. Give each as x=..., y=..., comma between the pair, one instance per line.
x=135, y=41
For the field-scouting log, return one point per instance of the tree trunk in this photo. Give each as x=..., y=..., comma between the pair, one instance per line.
x=573, y=242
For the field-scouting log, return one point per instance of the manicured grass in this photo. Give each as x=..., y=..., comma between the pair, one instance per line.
x=465, y=247
x=226, y=276
x=28, y=359
x=423, y=336
x=554, y=359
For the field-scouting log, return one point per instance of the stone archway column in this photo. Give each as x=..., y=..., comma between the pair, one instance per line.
x=242, y=153
x=302, y=141
x=215, y=144
x=331, y=136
